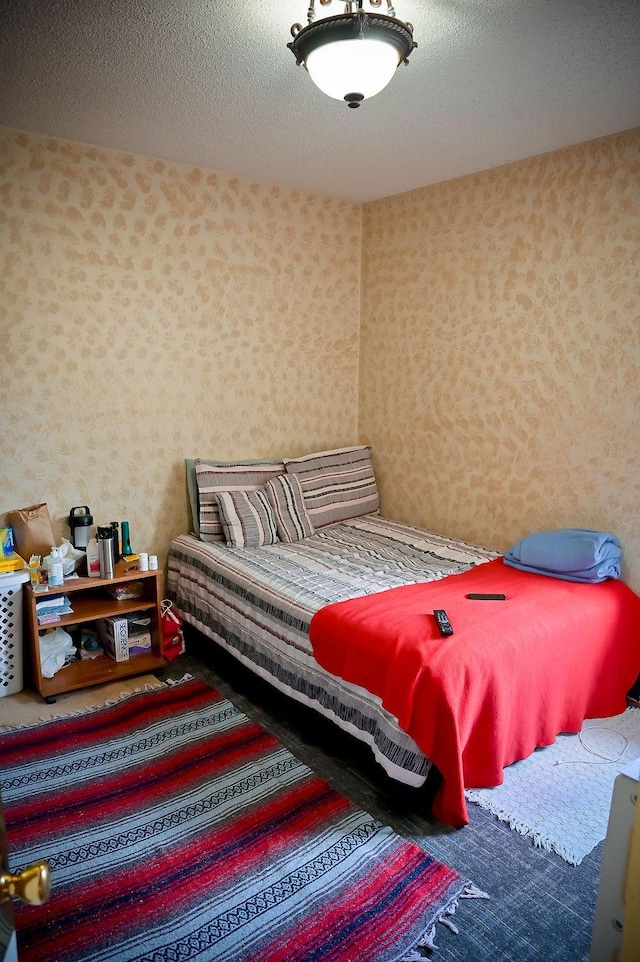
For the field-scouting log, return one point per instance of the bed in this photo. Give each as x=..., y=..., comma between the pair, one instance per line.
x=337, y=612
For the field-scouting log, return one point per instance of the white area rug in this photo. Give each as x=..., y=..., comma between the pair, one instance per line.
x=561, y=795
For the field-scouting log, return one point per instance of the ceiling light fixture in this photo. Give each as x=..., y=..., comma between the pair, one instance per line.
x=354, y=55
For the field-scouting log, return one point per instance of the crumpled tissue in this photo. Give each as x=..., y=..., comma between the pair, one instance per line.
x=71, y=556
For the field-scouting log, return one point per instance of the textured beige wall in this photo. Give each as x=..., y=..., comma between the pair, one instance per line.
x=500, y=348
x=151, y=312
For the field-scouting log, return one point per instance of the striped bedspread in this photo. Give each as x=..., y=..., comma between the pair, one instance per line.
x=258, y=604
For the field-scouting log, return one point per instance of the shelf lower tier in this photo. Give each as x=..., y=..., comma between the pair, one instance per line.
x=98, y=671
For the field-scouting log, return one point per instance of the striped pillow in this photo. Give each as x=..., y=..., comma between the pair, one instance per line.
x=285, y=497
x=232, y=476
x=336, y=485
x=247, y=518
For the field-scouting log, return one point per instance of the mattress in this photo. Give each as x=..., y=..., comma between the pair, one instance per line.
x=257, y=603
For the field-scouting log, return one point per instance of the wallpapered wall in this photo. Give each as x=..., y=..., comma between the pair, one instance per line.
x=500, y=356
x=151, y=312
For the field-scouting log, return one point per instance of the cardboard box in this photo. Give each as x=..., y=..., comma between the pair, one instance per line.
x=114, y=635
x=10, y=560
x=140, y=644
x=7, y=546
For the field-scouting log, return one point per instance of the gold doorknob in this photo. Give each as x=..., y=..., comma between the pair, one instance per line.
x=32, y=885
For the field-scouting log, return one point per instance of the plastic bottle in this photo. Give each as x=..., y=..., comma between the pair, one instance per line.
x=93, y=559
x=56, y=571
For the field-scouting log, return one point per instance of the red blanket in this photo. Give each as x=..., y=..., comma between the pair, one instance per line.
x=513, y=675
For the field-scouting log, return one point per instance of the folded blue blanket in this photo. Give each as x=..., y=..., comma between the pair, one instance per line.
x=574, y=554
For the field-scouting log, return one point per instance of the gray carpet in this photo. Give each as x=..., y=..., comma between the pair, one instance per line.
x=540, y=908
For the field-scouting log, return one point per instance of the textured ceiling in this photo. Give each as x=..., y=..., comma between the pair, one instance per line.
x=211, y=83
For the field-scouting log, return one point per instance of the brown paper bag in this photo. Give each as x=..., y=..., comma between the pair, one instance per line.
x=32, y=530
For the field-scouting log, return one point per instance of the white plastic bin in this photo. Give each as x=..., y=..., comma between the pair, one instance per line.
x=11, y=631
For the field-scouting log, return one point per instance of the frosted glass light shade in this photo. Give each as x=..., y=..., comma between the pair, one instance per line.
x=352, y=67
x=352, y=56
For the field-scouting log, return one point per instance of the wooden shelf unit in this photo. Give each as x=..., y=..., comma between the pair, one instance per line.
x=90, y=601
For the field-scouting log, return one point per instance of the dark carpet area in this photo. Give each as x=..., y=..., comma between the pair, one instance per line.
x=540, y=907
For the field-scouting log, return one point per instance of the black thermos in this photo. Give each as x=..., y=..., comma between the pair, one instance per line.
x=116, y=542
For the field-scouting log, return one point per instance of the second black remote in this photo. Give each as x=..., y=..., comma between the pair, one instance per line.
x=475, y=596
x=442, y=621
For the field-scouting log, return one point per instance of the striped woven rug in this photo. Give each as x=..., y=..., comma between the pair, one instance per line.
x=177, y=829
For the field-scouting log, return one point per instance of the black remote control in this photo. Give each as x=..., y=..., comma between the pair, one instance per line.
x=442, y=621
x=480, y=597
